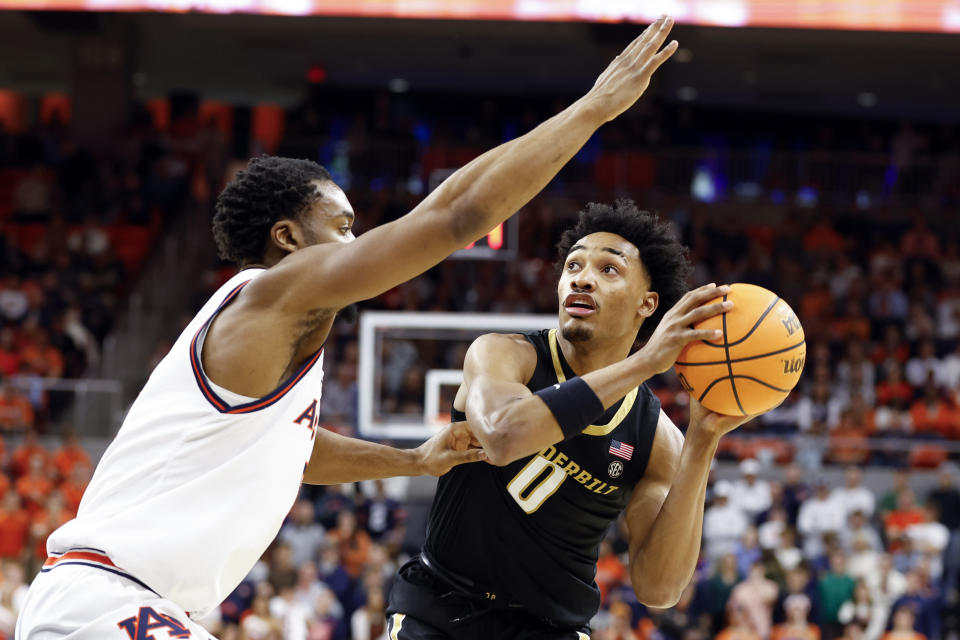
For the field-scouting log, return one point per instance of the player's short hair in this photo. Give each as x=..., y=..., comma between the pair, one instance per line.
x=662, y=254
x=269, y=189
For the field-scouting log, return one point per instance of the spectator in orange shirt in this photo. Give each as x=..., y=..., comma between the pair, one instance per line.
x=796, y=627
x=354, y=543
x=893, y=348
x=610, y=571
x=816, y=302
x=9, y=354
x=848, y=441
x=14, y=525
x=43, y=358
x=931, y=414
x=853, y=324
x=919, y=241
x=4, y=484
x=69, y=455
x=73, y=488
x=22, y=455
x=906, y=514
x=894, y=387
x=823, y=237
x=35, y=485
x=47, y=520
x=903, y=619
x=15, y=410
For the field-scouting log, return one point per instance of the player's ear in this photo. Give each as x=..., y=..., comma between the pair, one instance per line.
x=286, y=235
x=648, y=304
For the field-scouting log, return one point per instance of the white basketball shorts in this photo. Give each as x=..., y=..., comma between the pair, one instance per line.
x=82, y=595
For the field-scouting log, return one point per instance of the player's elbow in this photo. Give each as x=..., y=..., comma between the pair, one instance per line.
x=658, y=596
x=499, y=447
x=493, y=427
x=499, y=440
x=656, y=587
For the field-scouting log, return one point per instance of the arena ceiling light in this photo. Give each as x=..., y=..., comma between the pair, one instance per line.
x=861, y=15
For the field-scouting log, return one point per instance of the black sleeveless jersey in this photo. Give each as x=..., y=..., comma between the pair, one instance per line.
x=529, y=532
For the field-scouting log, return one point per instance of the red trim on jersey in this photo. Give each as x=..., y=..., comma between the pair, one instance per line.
x=254, y=405
x=80, y=555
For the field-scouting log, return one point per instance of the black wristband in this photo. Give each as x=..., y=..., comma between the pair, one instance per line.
x=574, y=404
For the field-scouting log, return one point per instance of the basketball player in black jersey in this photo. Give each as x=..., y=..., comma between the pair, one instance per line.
x=575, y=437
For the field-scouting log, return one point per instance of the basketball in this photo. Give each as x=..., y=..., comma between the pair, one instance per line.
x=755, y=364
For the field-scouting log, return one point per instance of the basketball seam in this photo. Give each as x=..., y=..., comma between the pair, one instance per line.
x=727, y=345
x=766, y=384
x=762, y=355
x=710, y=386
x=731, y=377
x=733, y=385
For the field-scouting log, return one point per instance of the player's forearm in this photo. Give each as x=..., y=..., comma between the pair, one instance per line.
x=662, y=565
x=494, y=186
x=337, y=459
x=510, y=427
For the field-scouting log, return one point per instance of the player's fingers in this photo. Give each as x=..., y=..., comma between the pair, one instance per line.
x=705, y=311
x=704, y=294
x=663, y=56
x=470, y=455
x=656, y=39
x=695, y=297
x=459, y=430
x=638, y=43
x=702, y=334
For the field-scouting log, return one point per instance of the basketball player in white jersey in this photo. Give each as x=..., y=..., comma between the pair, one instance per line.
x=212, y=453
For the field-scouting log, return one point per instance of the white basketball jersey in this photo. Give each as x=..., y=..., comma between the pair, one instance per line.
x=198, y=480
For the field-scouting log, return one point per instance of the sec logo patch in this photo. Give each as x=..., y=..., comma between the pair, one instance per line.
x=615, y=469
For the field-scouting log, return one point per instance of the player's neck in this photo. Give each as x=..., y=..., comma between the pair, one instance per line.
x=590, y=355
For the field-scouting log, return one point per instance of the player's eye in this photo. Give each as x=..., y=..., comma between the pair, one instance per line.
x=610, y=269
x=571, y=265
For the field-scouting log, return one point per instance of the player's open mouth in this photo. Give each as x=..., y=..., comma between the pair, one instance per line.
x=579, y=305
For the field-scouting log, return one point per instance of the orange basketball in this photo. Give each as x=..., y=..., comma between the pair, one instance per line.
x=756, y=363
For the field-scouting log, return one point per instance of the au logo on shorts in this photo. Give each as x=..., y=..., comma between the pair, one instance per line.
x=147, y=620
x=615, y=469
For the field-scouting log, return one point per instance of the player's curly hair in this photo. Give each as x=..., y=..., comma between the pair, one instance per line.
x=664, y=258
x=269, y=189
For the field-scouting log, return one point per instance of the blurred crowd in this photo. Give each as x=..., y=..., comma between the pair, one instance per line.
x=40, y=489
x=852, y=223
x=784, y=557
x=76, y=224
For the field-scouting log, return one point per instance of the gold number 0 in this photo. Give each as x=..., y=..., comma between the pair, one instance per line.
x=535, y=496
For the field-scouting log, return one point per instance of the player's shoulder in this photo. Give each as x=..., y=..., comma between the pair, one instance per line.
x=515, y=343
x=503, y=348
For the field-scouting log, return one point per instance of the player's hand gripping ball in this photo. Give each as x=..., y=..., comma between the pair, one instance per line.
x=755, y=364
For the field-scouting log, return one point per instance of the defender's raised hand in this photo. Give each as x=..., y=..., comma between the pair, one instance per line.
x=628, y=76
x=676, y=330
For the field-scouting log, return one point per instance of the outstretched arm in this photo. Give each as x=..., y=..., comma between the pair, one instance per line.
x=665, y=513
x=511, y=422
x=337, y=459
x=468, y=204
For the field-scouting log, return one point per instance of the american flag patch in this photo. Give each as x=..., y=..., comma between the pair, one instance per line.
x=621, y=449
